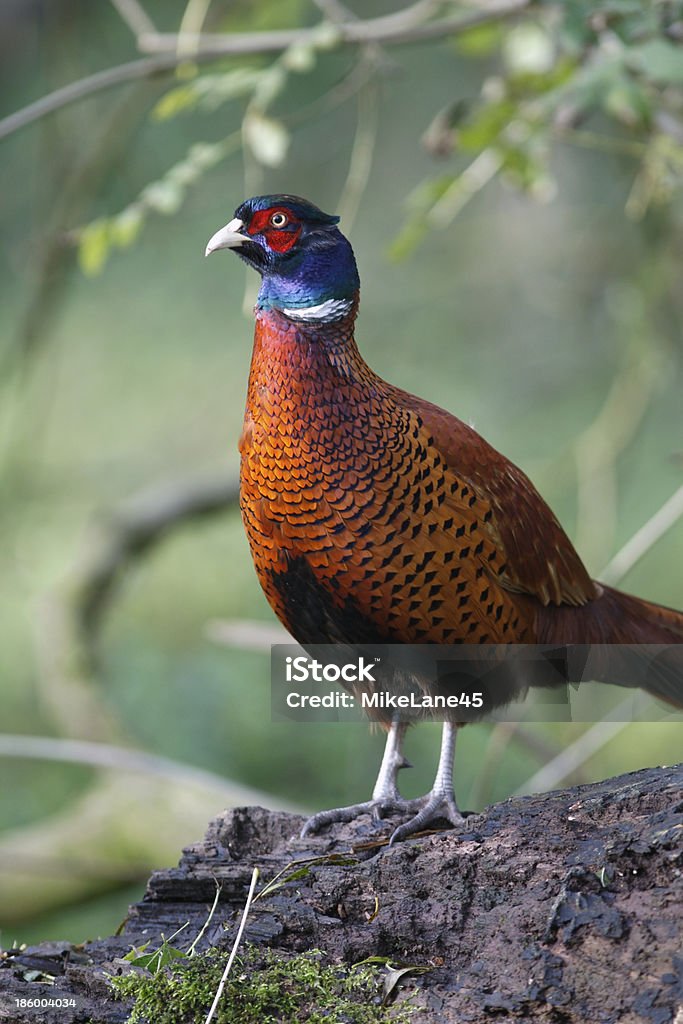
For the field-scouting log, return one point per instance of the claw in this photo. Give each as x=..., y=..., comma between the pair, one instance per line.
x=435, y=807
x=323, y=818
x=377, y=808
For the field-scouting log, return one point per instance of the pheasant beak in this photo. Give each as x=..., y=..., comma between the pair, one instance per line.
x=228, y=237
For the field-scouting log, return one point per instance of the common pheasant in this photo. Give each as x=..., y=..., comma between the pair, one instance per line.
x=374, y=516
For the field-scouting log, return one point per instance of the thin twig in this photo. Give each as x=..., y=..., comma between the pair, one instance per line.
x=191, y=26
x=219, y=889
x=51, y=257
x=233, y=953
x=603, y=143
x=135, y=16
x=360, y=163
x=578, y=752
x=83, y=88
x=248, y=634
x=334, y=10
x=106, y=755
x=468, y=184
x=644, y=539
x=598, y=447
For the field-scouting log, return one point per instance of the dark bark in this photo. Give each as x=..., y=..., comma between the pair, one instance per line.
x=559, y=908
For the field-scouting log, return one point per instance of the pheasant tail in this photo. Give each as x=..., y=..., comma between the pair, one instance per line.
x=622, y=623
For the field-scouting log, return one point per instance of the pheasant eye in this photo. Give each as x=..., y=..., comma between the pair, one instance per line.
x=279, y=219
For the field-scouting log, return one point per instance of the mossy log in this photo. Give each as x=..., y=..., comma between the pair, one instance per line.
x=557, y=908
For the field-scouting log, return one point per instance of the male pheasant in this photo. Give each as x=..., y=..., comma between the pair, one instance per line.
x=374, y=516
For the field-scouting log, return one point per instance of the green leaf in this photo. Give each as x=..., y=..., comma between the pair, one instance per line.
x=420, y=202
x=326, y=36
x=530, y=84
x=628, y=103
x=586, y=89
x=208, y=92
x=157, y=959
x=484, y=127
x=659, y=60
x=178, y=100
x=525, y=167
x=93, y=246
x=207, y=154
x=480, y=40
x=125, y=227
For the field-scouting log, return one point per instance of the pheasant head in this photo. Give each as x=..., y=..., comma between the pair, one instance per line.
x=307, y=266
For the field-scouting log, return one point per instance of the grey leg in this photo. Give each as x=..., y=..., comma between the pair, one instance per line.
x=440, y=802
x=385, y=795
x=437, y=805
x=393, y=759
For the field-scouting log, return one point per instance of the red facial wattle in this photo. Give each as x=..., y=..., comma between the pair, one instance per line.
x=279, y=239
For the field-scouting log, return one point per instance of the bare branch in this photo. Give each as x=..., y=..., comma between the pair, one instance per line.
x=191, y=25
x=577, y=753
x=69, y=620
x=248, y=634
x=599, y=445
x=360, y=164
x=334, y=10
x=135, y=16
x=83, y=88
x=645, y=538
x=408, y=26
x=107, y=755
x=137, y=525
x=393, y=29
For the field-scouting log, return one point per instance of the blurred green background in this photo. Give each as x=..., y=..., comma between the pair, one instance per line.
x=546, y=312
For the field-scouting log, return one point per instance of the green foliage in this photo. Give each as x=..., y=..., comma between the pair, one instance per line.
x=207, y=92
x=612, y=61
x=266, y=137
x=154, y=960
x=165, y=196
x=263, y=987
x=550, y=75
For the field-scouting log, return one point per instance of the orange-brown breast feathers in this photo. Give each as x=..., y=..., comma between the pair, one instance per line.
x=359, y=526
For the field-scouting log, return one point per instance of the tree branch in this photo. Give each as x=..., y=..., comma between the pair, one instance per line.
x=134, y=527
x=116, y=758
x=83, y=88
x=67, y=627
x=408, y=26
x=393, y=29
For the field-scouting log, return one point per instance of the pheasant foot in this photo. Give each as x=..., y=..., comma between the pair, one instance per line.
x=378, y=808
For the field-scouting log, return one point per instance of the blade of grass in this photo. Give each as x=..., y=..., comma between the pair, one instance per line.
x=233, y=952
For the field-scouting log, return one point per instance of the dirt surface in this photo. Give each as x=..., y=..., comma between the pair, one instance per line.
x=557, y=908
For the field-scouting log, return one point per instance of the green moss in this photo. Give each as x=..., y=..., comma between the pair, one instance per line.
x=263, y=988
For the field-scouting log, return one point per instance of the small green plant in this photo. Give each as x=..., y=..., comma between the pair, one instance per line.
x=263, y=987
